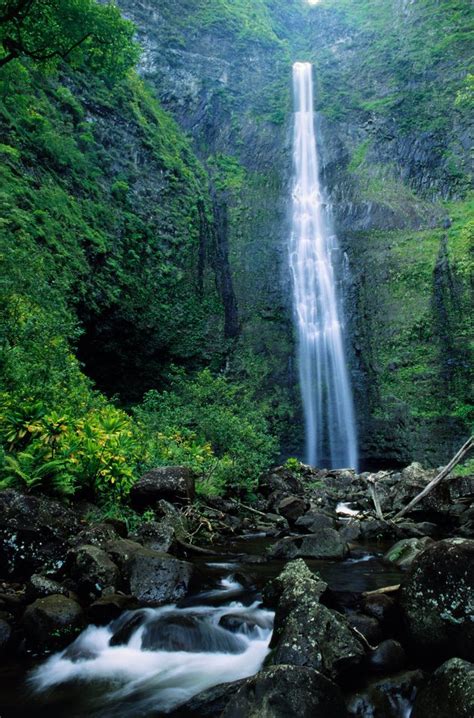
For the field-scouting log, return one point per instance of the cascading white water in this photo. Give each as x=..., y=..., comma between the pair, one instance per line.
x=325, y=386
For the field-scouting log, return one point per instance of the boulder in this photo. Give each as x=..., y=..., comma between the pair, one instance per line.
x=437, y=600
x=381, y=607
x=52, y=622
x=171, y=483
x=325, y=543
x=312, y=521
x=120, y=550
x=209, y=703
x=368, y=626
x=155, y=578
x=307, y=633
x=34, y=534
x=40, y=586
x=292, y=508
x=387, y=657
x=157, y=535
x=280, y=481
x=448, y=693
x=284, y=691
x=5, y=635
x=95, y=535
x=93, y=570
x=404, y=552
x=388, y=697
x=108, y=608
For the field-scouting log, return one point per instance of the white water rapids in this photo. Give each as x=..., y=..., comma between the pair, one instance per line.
x=324, y=381
x=154, y=659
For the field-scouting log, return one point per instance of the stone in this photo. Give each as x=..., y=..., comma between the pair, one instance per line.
x=325, y=543
x=93, y=570
x=155, y=578
x=368, y=626
x=171, y=483
x=448, y=693
x=108, y=608
x=95, y=535
x=387, y=657
x=280, y=482
x=120, y=550
x=305, y=632
x=292, y=508
x=388, y=697
x=437, y=600
x=157, y=535
x=40, y=586
x=381, y=607
x=5, y=635
x=52, y=622
x=404, y=552
x=34, y=534
x=312, y=521
x=209, y=703
x=284, y=691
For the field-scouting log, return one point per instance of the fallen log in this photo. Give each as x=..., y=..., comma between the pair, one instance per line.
x=445, y=472
x=384, y=590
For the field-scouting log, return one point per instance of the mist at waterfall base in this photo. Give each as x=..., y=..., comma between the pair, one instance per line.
x=324, y=380
x=149, y=661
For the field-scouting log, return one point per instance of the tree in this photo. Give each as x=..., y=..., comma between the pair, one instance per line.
x=79, y=31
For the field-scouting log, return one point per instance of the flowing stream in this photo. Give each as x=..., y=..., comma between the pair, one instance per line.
x=151, y=660
x=324, y=380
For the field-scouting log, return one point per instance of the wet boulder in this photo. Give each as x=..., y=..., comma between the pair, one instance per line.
x=41, y=586
x=449, y=692
x=52, y=622
x=121, y=550
x=170, y=483
x=381, y=607
x=368, y=626
x=108, y=608
x=94, y=535
x=313, y=521
x=34, y=534
x=182, y=632
x=326, y=543
x=155, y=578
x=209, y=703
x=93, y=570
x=404, y=552
x=390, y=697
x=387, y=657
x=283, y=691
x=294, y=583
x=157, y=535
x=437, y=600
x=292, y=508
x=280, y=482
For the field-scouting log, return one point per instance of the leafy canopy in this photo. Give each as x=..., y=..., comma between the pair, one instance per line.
x=79, y=31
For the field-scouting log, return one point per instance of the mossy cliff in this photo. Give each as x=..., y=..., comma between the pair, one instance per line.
x=393, y=126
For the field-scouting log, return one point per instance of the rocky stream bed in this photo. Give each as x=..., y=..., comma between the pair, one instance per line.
x=307, y=602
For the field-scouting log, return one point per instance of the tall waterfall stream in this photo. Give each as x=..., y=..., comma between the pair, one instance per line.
x=324, y=380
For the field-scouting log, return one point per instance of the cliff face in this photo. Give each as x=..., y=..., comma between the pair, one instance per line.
x=393, y=127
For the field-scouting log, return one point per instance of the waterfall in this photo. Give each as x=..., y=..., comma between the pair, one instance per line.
x=324, y=380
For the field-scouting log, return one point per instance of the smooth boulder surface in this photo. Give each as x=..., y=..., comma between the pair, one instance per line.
x=437, y=600
x=155, y=578
x=449, y=693
x=292, y=508
x=171, y=483
x=312, y=521
x=52, y=622
x=285, y=691
x=326, y=543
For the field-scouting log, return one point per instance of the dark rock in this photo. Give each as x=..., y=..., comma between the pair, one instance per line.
x=40, y=586
x=437, y=600
x=307, y=633
x=404, y=552
x=286, y=548
x=312, y=521
x=449, y=693
x=350, y=531
x=159, y=536
x=120, y=550
x=171, y=483
x=5, y=635
x=387, y=697
x=181, y=632
x=52, y=622
x=208, y=704
x=284, y=691
x=388, y=657
x=34, y=534
x=295, y=582
x=292, y=508
x=157, y=578
x=243, y=623
x=381, y=607
x=281, y=481
x=323, y=544
x=368, y=626
x=95, y=535
x=93, y=570
x=108, y=608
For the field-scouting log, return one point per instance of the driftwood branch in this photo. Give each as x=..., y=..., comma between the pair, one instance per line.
x=447, y=470
x=373, y=493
